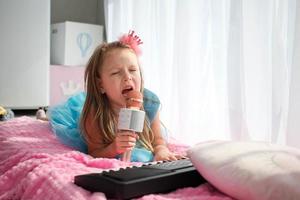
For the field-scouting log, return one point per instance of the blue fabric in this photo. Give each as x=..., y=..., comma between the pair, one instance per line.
x=65, y=118
x=151, y=104
x=140, y=155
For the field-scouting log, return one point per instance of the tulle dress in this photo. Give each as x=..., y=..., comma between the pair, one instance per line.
x=65, y=118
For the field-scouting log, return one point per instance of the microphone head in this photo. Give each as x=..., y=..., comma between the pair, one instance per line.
x=134, y=99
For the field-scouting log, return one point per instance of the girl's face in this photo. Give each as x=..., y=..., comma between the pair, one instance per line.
x=120, y=73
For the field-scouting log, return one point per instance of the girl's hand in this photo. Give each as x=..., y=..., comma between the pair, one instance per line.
x=163, y=153
x=124, y=141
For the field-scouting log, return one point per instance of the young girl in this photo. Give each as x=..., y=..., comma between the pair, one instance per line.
x=112, y=71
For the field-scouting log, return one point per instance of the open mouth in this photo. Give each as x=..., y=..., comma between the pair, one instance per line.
x=126, y=90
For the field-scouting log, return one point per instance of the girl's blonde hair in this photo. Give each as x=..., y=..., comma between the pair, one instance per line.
x=98, y=103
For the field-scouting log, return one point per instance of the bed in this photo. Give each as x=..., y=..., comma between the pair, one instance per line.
x=35, y=165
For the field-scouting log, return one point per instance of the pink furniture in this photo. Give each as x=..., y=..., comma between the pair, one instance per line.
x=65, y=81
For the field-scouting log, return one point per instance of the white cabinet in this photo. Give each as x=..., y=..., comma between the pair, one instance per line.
x=24, y=53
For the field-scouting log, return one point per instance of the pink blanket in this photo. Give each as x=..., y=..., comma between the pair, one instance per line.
x=35, y=165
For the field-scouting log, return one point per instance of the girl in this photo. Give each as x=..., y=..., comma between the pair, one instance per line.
x=112, y=71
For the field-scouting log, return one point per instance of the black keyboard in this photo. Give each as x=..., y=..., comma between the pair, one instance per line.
x=138, y=181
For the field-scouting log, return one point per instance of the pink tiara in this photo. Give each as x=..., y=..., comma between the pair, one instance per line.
x=133, y=41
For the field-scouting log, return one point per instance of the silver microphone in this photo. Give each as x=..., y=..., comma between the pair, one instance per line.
x=131, y=118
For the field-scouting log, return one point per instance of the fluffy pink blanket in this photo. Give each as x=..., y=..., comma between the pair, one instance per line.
x=35, y=165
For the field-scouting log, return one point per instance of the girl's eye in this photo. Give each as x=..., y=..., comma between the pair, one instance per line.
x=133, y=70
x=114, y=73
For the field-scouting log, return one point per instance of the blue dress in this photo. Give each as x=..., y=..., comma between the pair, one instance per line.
x=65, y=118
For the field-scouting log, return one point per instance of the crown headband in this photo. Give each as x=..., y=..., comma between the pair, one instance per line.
x=133, y=41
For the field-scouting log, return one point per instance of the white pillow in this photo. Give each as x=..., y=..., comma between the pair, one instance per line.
x=249, y=170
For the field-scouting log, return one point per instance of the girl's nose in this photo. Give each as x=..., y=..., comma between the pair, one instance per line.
x=128, y=77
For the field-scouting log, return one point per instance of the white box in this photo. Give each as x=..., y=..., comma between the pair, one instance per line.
x=73, y=43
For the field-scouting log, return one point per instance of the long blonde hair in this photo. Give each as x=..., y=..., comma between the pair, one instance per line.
x=98, y=103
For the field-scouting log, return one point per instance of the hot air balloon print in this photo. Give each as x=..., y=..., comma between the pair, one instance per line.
x=84, y=41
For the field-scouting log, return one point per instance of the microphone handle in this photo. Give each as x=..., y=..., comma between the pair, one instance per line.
x=126, y=156
x=130, y=120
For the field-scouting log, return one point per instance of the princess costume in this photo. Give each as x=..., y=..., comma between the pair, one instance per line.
x=65, y=120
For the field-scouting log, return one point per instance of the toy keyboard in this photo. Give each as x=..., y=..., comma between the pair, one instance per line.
x=133, y=182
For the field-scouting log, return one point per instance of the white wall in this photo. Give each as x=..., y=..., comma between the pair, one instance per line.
x=24, y=53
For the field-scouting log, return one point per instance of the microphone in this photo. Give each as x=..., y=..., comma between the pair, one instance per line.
x=131, y=118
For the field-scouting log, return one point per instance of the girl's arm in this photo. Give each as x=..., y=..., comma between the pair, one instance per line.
x=161, y=151
x=124, y=141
